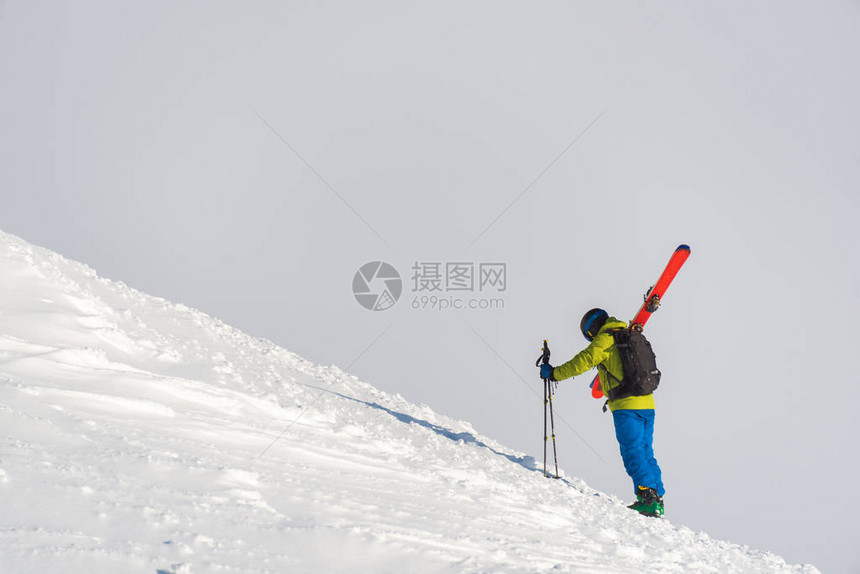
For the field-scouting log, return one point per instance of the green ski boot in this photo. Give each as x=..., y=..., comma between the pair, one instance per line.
x=648, y=502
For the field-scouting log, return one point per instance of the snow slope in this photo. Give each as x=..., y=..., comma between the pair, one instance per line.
x=142, y=436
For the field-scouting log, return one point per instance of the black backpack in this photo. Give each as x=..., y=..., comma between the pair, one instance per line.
x=638, y=363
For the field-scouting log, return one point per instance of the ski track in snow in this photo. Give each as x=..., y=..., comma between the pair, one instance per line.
x=131, y=429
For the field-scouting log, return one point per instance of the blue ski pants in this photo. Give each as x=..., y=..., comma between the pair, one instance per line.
x=634, y=430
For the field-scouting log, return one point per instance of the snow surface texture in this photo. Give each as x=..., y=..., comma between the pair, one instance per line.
x=142, y=436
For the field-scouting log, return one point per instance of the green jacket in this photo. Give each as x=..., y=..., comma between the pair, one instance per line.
x=601, y=353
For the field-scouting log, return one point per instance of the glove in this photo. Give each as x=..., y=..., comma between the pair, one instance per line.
x=546, y=372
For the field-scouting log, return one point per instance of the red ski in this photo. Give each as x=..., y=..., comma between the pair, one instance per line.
x=653, y=298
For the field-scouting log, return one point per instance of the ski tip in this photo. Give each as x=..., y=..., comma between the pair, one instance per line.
x=683, y=247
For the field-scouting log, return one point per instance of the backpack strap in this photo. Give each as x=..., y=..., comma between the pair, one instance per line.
x=610, y=377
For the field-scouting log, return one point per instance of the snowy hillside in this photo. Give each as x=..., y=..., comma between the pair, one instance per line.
x=132, y=432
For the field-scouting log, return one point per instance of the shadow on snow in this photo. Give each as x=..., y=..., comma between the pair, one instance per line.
x=527, y=462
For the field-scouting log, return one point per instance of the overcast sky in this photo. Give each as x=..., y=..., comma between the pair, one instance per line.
x=248, y=161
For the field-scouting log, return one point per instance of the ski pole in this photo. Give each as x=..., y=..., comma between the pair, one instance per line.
x=552, y=427
x=547, y=402
x=545, y=399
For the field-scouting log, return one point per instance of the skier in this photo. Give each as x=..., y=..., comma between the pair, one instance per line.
x=633, y=416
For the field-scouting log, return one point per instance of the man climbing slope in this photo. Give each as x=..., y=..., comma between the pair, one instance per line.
x=633, y=415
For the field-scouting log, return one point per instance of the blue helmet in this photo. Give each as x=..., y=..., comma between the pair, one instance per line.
x=592, y=322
